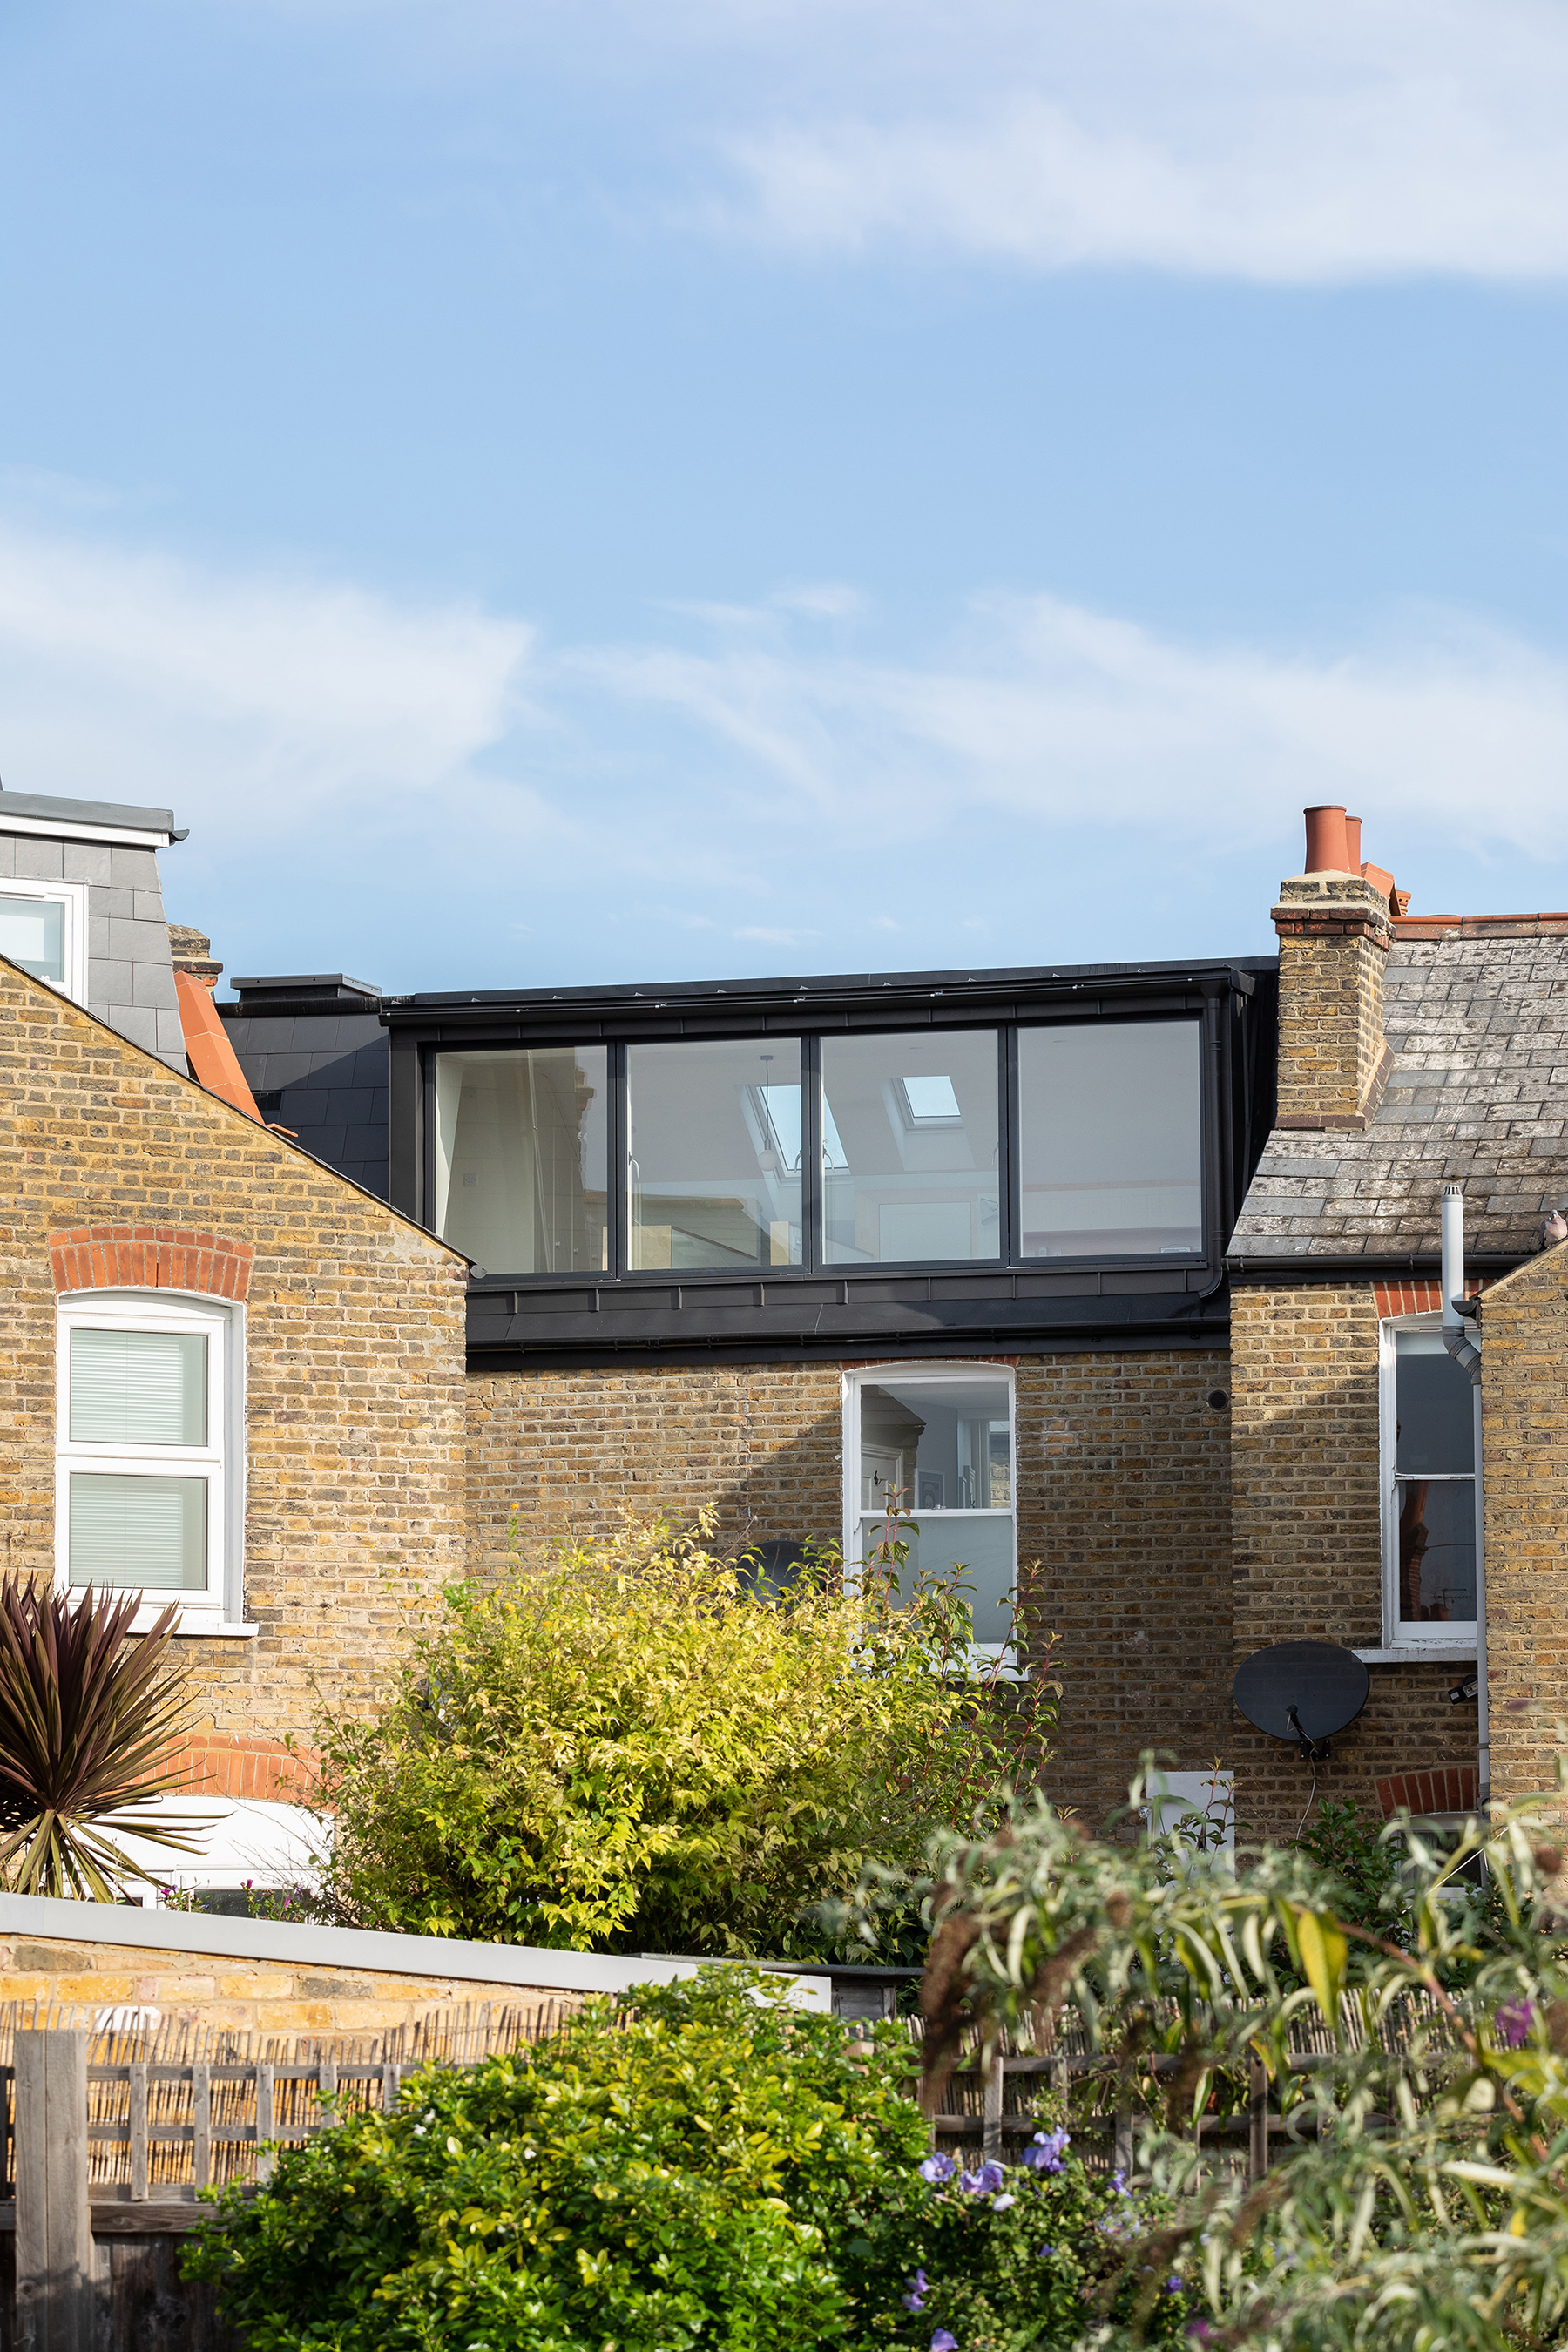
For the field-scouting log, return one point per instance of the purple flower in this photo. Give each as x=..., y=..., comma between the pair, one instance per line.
x=1119, y=2182
x=1172, y=2285
x=1200, y=2330
x=1000, y=2204
x=943, y=2342
x=1045, y=2251
x=1045, y=2151
x=1514, y=2021
x=984, y=2183
x=940, y=2167
x=915, y=2299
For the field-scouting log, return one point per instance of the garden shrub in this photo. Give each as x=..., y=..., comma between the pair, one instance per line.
x=715, y=2169
x=633, y=1747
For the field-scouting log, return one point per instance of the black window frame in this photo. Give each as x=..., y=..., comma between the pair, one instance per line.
x=813, y=1266
x=854, y=1313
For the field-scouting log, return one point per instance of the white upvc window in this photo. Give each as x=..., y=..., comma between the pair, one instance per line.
x=939, y=1440
x=1430, y=1454
x=149, y=1451
x=43, y=927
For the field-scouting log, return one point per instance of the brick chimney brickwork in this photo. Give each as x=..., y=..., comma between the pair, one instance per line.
x=1335, y=930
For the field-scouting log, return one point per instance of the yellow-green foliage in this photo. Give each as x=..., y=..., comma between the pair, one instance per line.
x=633, y=1747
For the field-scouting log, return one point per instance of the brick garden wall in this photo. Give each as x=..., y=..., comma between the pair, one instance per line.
x=1307, y=1557
x=1123, y=1499
x=223, y=1991
x=355, y=1434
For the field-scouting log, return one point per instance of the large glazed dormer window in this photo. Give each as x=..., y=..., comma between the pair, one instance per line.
x=1431, y=1504
x=148, y=1468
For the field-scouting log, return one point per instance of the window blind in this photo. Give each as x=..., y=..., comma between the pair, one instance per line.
x=131, y=1531
x=139, y=1388
x=33, y=934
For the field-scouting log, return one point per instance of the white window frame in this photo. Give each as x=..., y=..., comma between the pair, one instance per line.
x=221, y=1461
x=902, y=1374
x=72, y=897
x=1460, y=1639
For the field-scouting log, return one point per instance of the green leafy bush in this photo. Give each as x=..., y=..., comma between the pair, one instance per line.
x=1021, y=2258
x=714, y=2169
x=633, y=1747
x=1419, y=2202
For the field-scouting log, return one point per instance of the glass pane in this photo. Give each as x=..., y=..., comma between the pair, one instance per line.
x=139, y=1388
x=715, y=1145
x=935, y=1445
x=910, y=1147
x=33, y=934
x=138, y=1531
x=1435, y=1403
x=521, y=1154
x=983, y=1545
x=1111, y=1119
x=1438, y=1551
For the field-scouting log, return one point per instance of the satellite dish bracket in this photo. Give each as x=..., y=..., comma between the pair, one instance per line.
x=1312, y=1751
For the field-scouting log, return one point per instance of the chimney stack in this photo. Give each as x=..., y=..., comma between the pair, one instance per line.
x=1335, y=927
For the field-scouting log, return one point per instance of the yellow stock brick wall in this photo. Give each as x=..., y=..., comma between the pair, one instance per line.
x=355, y=1412
x=1307, y=1543
x=243, y=1994
x=1524, y=1405
x=1334, y=933
x=1124, y=1500
x=558, y=1454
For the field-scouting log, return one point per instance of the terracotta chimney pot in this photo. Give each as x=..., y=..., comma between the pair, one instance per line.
x=1353, y=844
x=1328, y=849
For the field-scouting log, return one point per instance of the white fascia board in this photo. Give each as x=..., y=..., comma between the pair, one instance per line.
x=121, y=836
x=437, y=1957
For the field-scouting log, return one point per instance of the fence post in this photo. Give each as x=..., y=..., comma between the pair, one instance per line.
x=55, y=2298
x=990, y=2110
x=1257, y=2119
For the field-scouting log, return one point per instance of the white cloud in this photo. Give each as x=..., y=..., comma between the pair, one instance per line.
x=261, y=707
x=1065, y=718
x=366, y=785
x=1360, y=139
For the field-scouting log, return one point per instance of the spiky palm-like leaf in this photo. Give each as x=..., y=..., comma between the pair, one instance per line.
x=86, y=1711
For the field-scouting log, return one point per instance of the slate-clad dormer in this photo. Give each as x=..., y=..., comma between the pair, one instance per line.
x=81, y=906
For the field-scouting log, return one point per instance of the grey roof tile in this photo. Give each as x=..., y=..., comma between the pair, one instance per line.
x=1478, y=1096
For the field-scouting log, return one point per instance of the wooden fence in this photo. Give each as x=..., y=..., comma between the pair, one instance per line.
x=109, y=2134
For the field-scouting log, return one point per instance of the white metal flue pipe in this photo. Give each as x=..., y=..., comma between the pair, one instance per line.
x=1465, y=1351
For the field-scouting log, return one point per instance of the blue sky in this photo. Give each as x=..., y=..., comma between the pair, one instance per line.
x=564, y=492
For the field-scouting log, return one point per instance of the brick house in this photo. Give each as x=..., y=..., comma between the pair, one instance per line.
x=957, y=1234
x=1126, y=1276
x=1416, y=1051
x=232, y=1378
x=1040, y=1249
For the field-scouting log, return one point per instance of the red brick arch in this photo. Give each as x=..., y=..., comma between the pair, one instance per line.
x=150, y=1257
x=231, y=1764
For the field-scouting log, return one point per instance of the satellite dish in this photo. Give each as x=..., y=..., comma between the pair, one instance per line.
x=1304, y=1691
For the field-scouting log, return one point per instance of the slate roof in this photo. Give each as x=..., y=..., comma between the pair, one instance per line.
x=1476, y=1013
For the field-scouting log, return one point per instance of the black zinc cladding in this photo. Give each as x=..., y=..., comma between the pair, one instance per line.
x=951, y=1162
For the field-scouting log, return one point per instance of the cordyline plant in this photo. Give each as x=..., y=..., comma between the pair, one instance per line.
x=86, y=1713
x=633, y=1746
x=1420, y=2198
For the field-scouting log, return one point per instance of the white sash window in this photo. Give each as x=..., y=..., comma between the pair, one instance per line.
x=148, y=1452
